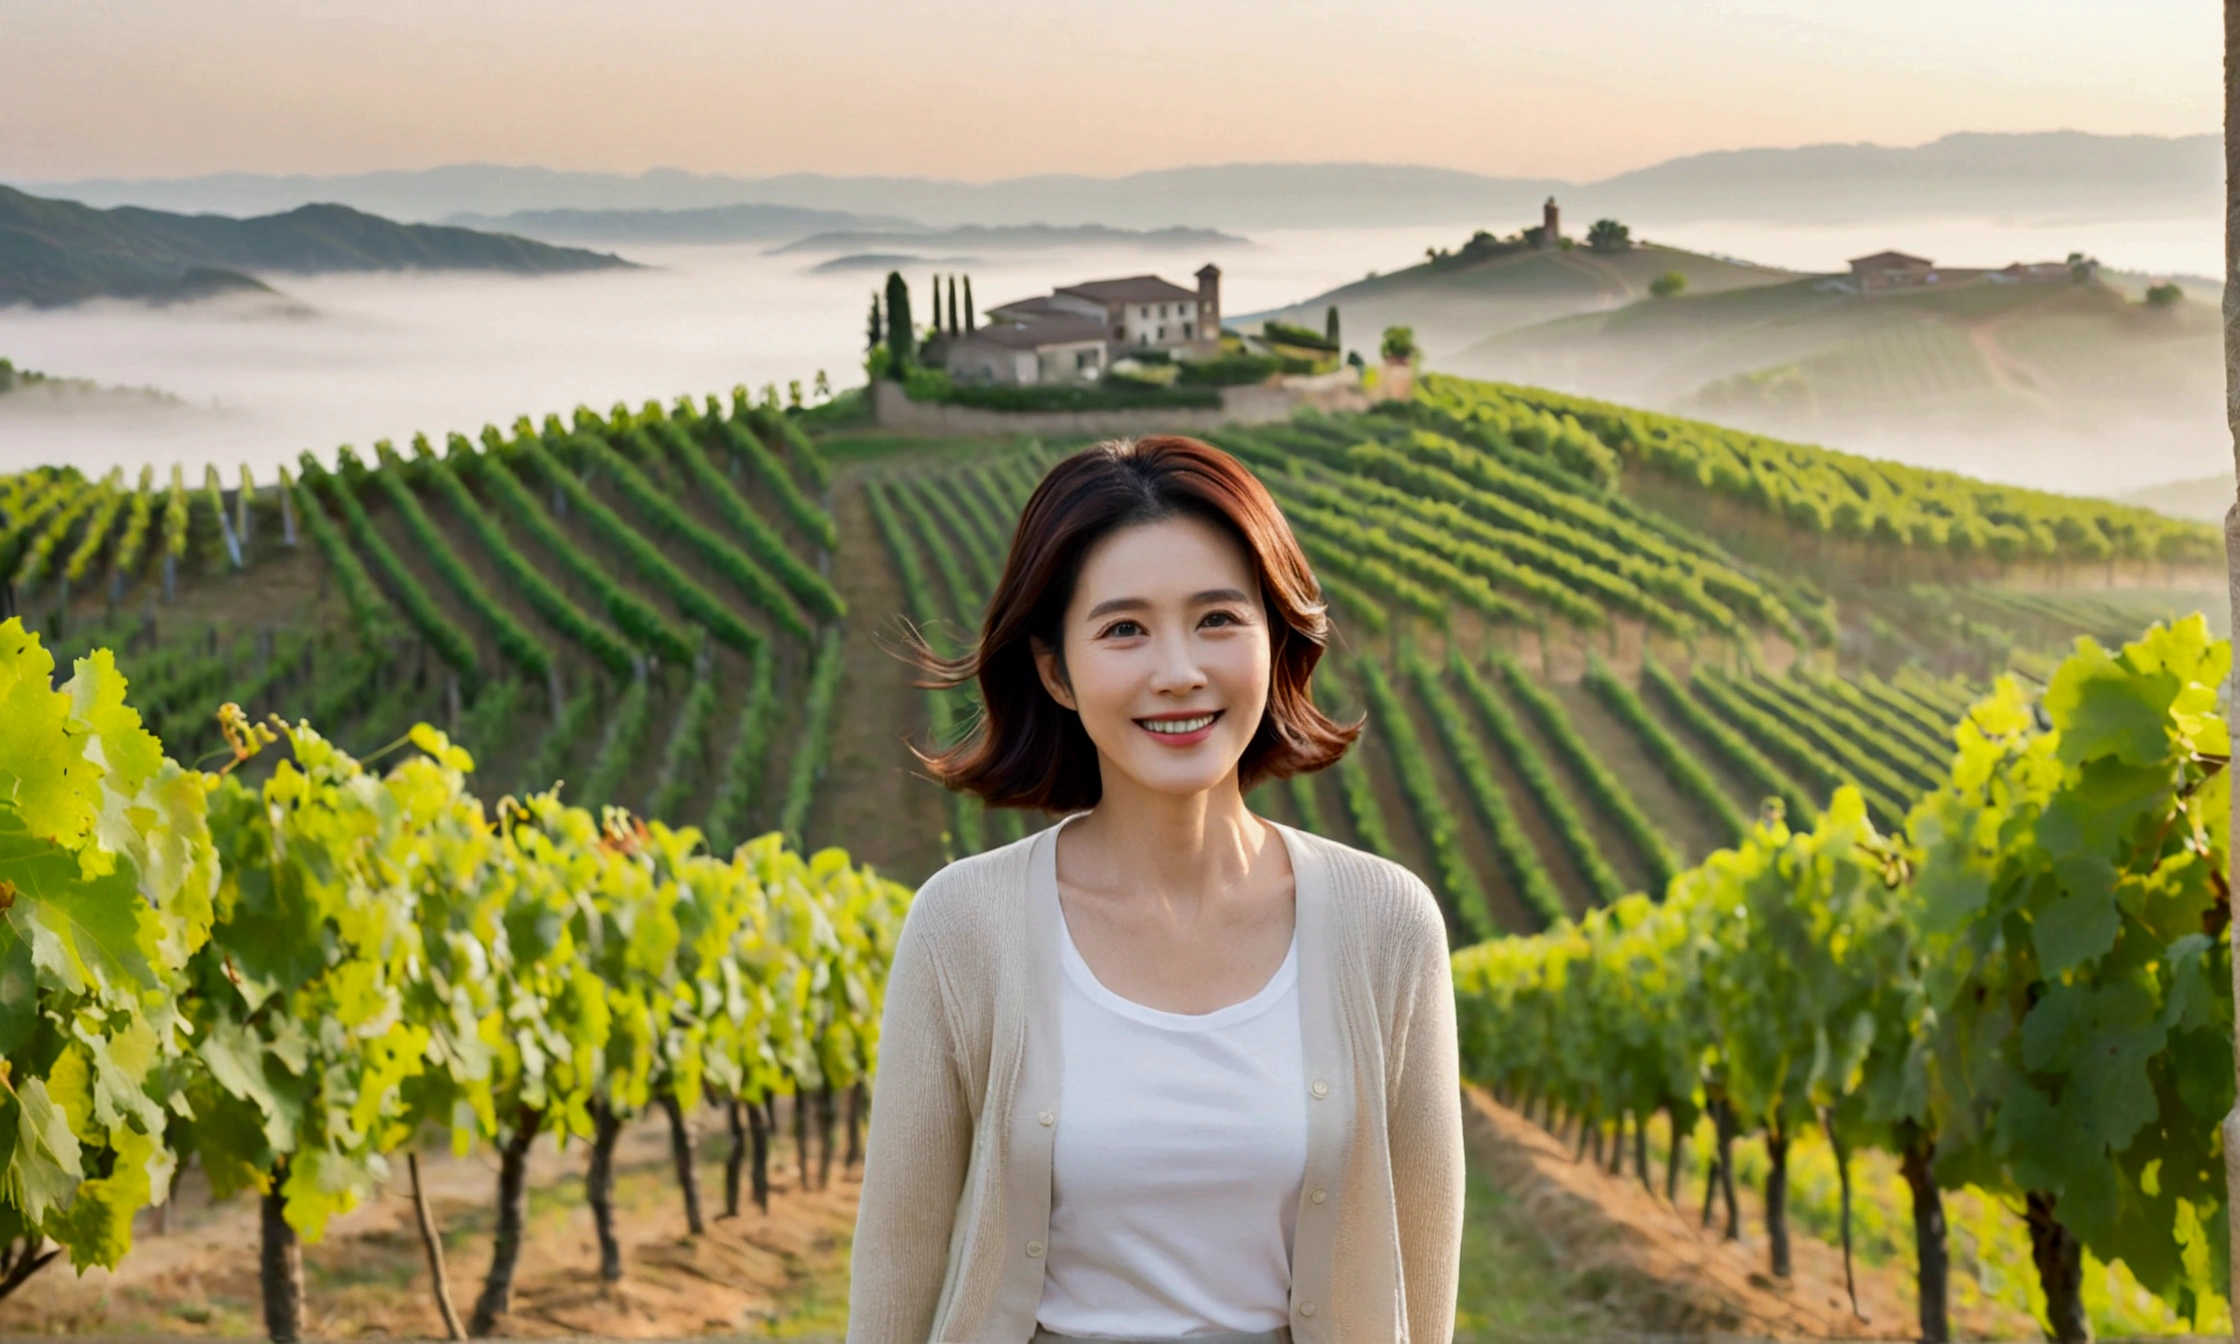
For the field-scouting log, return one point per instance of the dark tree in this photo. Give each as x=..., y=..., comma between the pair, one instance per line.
x=1608, y=235
x=971, y=323
x=900, y=344
x=1330, y=327
x=876, y=333
x=955, y=328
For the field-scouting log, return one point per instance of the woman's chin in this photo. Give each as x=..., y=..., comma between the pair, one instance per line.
x=1177, y=779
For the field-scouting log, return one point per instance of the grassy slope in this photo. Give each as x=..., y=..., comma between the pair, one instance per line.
x=1453, y=304
x=1973, y=353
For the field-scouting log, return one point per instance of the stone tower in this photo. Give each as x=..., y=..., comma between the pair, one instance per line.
x=1209, y=302
x=1551, y=224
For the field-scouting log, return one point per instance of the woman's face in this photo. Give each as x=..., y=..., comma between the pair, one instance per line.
x=1167, y=655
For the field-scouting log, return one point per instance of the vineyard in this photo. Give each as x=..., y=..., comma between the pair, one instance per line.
x=1602, y=652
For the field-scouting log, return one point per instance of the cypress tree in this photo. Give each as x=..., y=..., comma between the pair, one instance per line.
x=1330, y=326
x=899, y=332
x=970, y=322
x=876, y=333
x=954, y=327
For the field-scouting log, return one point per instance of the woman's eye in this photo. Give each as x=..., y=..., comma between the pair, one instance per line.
x=1225, y=617
x=1123, y=628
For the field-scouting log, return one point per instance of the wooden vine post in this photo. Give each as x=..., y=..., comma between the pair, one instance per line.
x=2232, y=535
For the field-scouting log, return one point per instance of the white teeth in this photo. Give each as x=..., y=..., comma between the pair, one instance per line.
x=1177, y=725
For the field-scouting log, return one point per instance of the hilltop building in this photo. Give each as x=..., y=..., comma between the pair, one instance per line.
x=1073, y=333
x=2029, y=271
x=1892, y=270
x=1551, y=225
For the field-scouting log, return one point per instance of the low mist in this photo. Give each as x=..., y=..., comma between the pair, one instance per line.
x=353, y=359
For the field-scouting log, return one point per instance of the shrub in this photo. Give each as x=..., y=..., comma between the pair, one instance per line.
x=1399, y=345
x=1284, y=333
x=1230, y=370
x=2164, y=295
x=1668, y=284
x=1059, y=397
x=1608, y=235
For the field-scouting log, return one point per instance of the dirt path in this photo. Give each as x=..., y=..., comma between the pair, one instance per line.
x=1656, y=1270
x=785, y=1272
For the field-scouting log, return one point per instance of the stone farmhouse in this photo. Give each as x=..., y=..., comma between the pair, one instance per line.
x=1074, y=333
x=1900, y=270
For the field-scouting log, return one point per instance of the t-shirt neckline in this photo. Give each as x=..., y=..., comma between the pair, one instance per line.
x=1244, y=1010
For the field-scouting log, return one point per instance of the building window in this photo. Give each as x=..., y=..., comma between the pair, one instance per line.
x=1162, y=331
x=1186, y=332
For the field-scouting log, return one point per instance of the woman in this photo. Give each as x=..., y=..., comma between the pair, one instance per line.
x=1166, y=1070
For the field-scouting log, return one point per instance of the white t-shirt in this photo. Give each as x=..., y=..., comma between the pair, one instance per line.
x=1180, y=1147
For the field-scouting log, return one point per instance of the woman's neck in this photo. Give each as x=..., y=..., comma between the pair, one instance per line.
x=1185, y=848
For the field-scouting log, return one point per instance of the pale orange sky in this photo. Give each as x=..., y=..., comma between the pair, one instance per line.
x=980, y=89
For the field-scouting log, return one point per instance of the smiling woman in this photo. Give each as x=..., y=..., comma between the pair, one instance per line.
x=1145, y=1072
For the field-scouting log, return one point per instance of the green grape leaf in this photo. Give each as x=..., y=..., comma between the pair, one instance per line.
x=42, y=1170
x=2081, y=923
x=129, y=753
x=97, y=1228
x=44, y=774
x=321, y=1184
x=2104, y=709
x=86, y=934
x=70, y=1086
x=2102, y=1037
x=19, y=991
x=123, y=1065
x=235, y=1058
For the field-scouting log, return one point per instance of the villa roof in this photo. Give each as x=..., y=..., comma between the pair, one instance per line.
x=1132, y=289
x=1892, y=259
x=1038, y=335
x=1035, y=309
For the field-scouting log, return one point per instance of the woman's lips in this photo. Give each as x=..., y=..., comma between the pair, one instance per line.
x=1165, y=736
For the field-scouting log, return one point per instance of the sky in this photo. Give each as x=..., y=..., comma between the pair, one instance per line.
x=983, y=89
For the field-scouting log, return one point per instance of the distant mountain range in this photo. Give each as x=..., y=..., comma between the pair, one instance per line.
x=2053, y=174
x=1017, y=238
x=706, y=224
x=59, y=252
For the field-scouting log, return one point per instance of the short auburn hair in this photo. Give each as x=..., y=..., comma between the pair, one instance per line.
x=1027, y=750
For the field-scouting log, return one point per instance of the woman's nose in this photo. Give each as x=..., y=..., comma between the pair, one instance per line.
x=1177, y=665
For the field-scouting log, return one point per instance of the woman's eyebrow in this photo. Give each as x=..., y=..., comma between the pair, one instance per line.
x=1198, y=599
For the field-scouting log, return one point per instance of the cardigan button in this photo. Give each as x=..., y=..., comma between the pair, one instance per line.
x=1320, y=1087
x=1034, y=1250
x=1046, y=1117
x=1319, y=1195
x=1306, y=1308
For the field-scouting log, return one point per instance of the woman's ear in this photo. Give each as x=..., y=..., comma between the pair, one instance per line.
x=1050, y=665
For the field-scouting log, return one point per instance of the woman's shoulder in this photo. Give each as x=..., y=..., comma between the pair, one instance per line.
x=970, y=897
x=1385, y=900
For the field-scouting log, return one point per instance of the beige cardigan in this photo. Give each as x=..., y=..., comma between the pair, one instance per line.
x=956, y=1190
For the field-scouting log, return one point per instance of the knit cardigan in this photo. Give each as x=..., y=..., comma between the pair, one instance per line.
x=955, y=1209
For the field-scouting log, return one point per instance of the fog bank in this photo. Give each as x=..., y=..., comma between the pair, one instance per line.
x=390, y=355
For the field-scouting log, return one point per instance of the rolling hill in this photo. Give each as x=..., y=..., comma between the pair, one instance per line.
x=1810, y=356
x=60, y=252
x=1490, y=286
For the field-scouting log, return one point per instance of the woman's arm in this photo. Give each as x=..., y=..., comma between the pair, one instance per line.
x=1424, y=1124
x=916, y=1156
